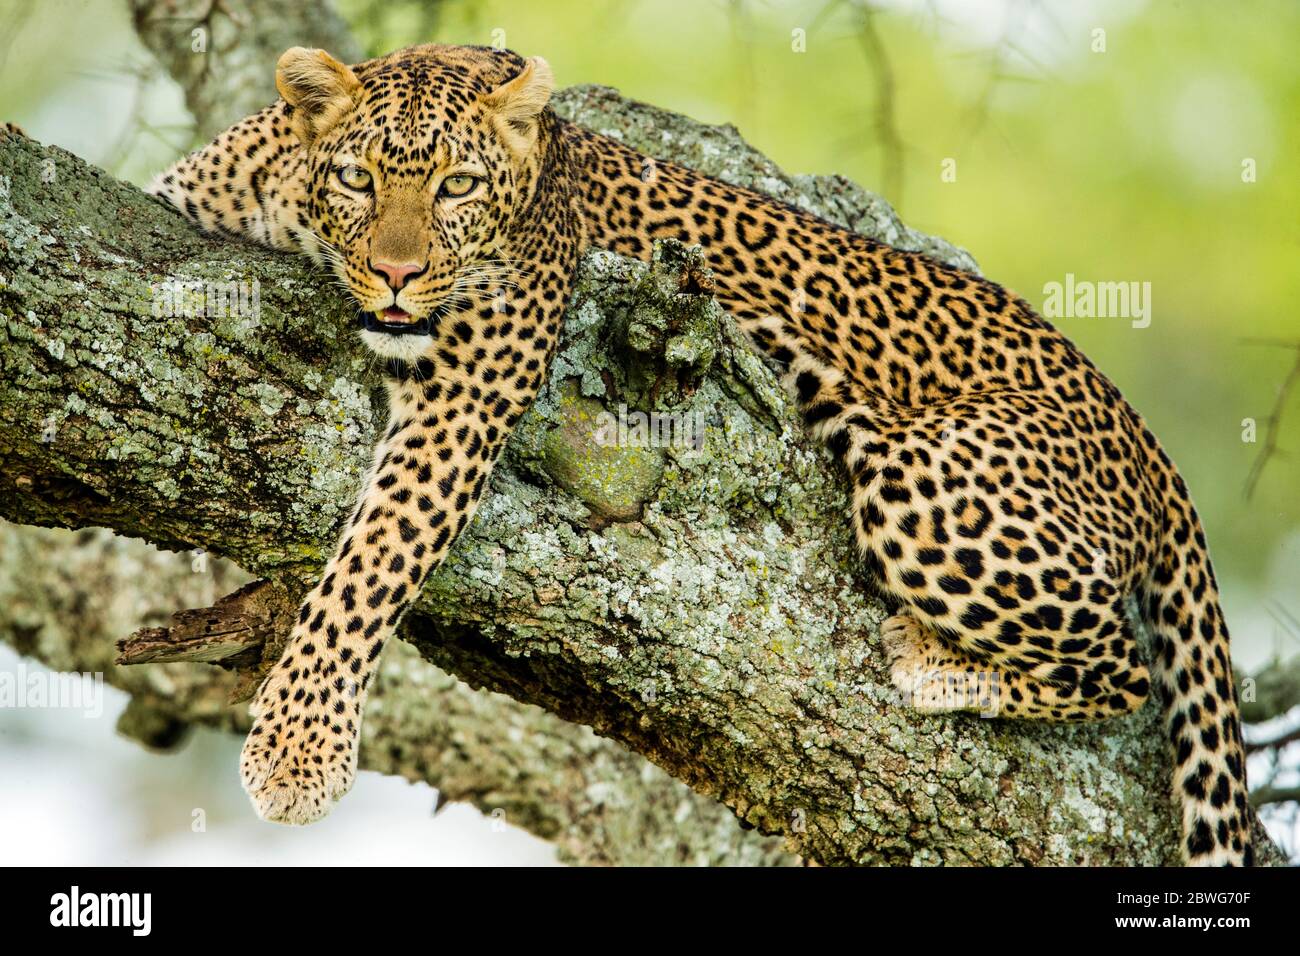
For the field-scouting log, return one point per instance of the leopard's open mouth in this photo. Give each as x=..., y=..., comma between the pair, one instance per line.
x=394, y=321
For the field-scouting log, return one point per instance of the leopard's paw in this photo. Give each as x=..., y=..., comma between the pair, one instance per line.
x=915, y=664
x=298, y=760
x=908, y=650
x=931, y=678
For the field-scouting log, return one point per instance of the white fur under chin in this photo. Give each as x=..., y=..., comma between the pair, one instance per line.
x=408, y=348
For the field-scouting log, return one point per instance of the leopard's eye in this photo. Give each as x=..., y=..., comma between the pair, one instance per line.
x=457, y=186
x=354, y=177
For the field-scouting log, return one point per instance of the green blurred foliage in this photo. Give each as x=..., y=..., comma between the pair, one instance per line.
x=1115, y=165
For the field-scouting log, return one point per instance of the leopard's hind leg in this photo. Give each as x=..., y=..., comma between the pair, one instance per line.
x=982, y=520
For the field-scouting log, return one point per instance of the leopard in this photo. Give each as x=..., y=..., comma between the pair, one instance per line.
x=1014, y=511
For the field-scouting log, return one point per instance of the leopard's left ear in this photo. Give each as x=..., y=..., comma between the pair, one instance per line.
x=320, y=89
x=519, y=102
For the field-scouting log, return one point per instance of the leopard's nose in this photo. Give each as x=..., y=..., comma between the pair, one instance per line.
x=398, y=274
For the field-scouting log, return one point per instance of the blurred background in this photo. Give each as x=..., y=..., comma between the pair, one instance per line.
x=1111, y=140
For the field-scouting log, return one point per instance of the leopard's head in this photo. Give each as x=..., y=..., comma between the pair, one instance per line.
x=419, y=167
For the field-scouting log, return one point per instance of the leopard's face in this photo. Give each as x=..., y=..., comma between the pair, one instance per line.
x=418, y=165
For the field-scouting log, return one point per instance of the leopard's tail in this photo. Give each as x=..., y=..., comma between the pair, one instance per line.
x=1192, y=673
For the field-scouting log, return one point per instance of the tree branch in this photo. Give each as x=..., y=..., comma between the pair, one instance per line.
x=1270, y=795
x=1273, y=422
x=705, y=607
x=220, y=51
x=1276, y=690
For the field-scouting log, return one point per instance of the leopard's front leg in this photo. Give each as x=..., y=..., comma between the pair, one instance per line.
x=430, y=471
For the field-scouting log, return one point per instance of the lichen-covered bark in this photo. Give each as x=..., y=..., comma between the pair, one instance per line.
x=704, y=606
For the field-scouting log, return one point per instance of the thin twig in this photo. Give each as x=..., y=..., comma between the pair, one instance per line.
x=1273, y=422
x=742, y=29
x=886, y=118
x=1277, y=743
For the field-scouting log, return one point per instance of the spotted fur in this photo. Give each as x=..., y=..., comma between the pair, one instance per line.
x=1005, y=495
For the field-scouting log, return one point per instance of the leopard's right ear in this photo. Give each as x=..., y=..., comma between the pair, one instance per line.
x=320, y=89
x=519, y=102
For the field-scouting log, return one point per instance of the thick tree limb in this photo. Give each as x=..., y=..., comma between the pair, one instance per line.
x=703, y=606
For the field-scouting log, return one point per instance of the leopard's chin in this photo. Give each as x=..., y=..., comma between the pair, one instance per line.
x=394, y=321
x=391, y=336
x=407, y=347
